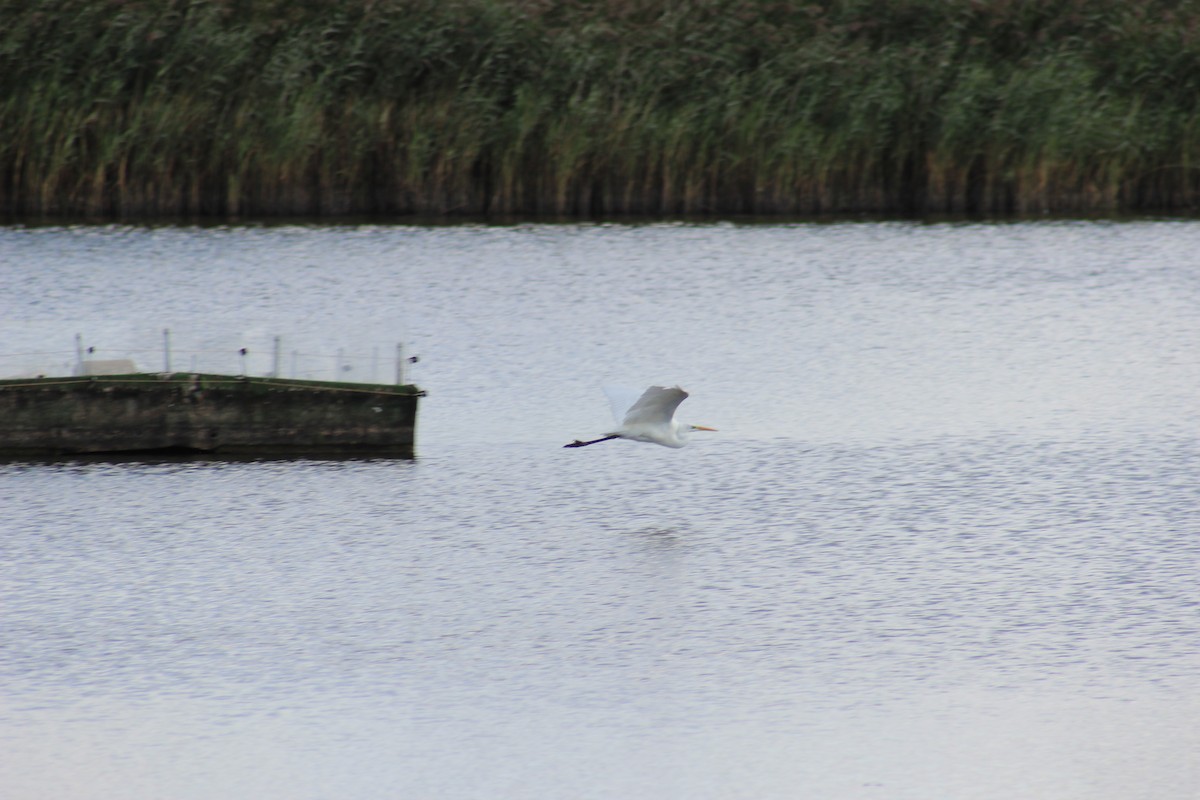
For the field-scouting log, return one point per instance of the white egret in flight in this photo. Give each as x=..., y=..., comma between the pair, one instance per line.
x=650, y=419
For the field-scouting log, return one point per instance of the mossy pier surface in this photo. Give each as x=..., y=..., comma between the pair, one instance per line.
x=126, y=108
x=213, y=414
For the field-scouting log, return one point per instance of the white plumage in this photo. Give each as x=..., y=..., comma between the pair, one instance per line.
x=648, y=418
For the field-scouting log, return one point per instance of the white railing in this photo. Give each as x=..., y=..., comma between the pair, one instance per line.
x=380, y=365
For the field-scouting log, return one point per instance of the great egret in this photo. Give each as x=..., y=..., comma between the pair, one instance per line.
x=650, y=419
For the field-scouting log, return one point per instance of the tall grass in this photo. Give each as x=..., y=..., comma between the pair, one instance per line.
x=223, y=107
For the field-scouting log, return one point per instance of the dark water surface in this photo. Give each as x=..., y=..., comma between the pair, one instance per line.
x=945, y=544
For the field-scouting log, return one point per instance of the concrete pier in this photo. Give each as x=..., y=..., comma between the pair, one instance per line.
x=204, y=414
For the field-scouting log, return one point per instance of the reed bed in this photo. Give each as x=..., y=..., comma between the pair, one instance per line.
x=597, y=107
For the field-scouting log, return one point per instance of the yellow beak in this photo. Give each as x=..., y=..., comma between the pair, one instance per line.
x=702, y=428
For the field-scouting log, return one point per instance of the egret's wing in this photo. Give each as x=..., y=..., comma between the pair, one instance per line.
x=656, y=406
x=621, y=399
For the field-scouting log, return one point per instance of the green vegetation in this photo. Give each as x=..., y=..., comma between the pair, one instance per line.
x=134, y=107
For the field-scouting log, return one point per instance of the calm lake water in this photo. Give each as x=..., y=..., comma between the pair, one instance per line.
x=945, y=544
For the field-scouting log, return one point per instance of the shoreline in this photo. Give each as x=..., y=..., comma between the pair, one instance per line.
x=517, y=107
